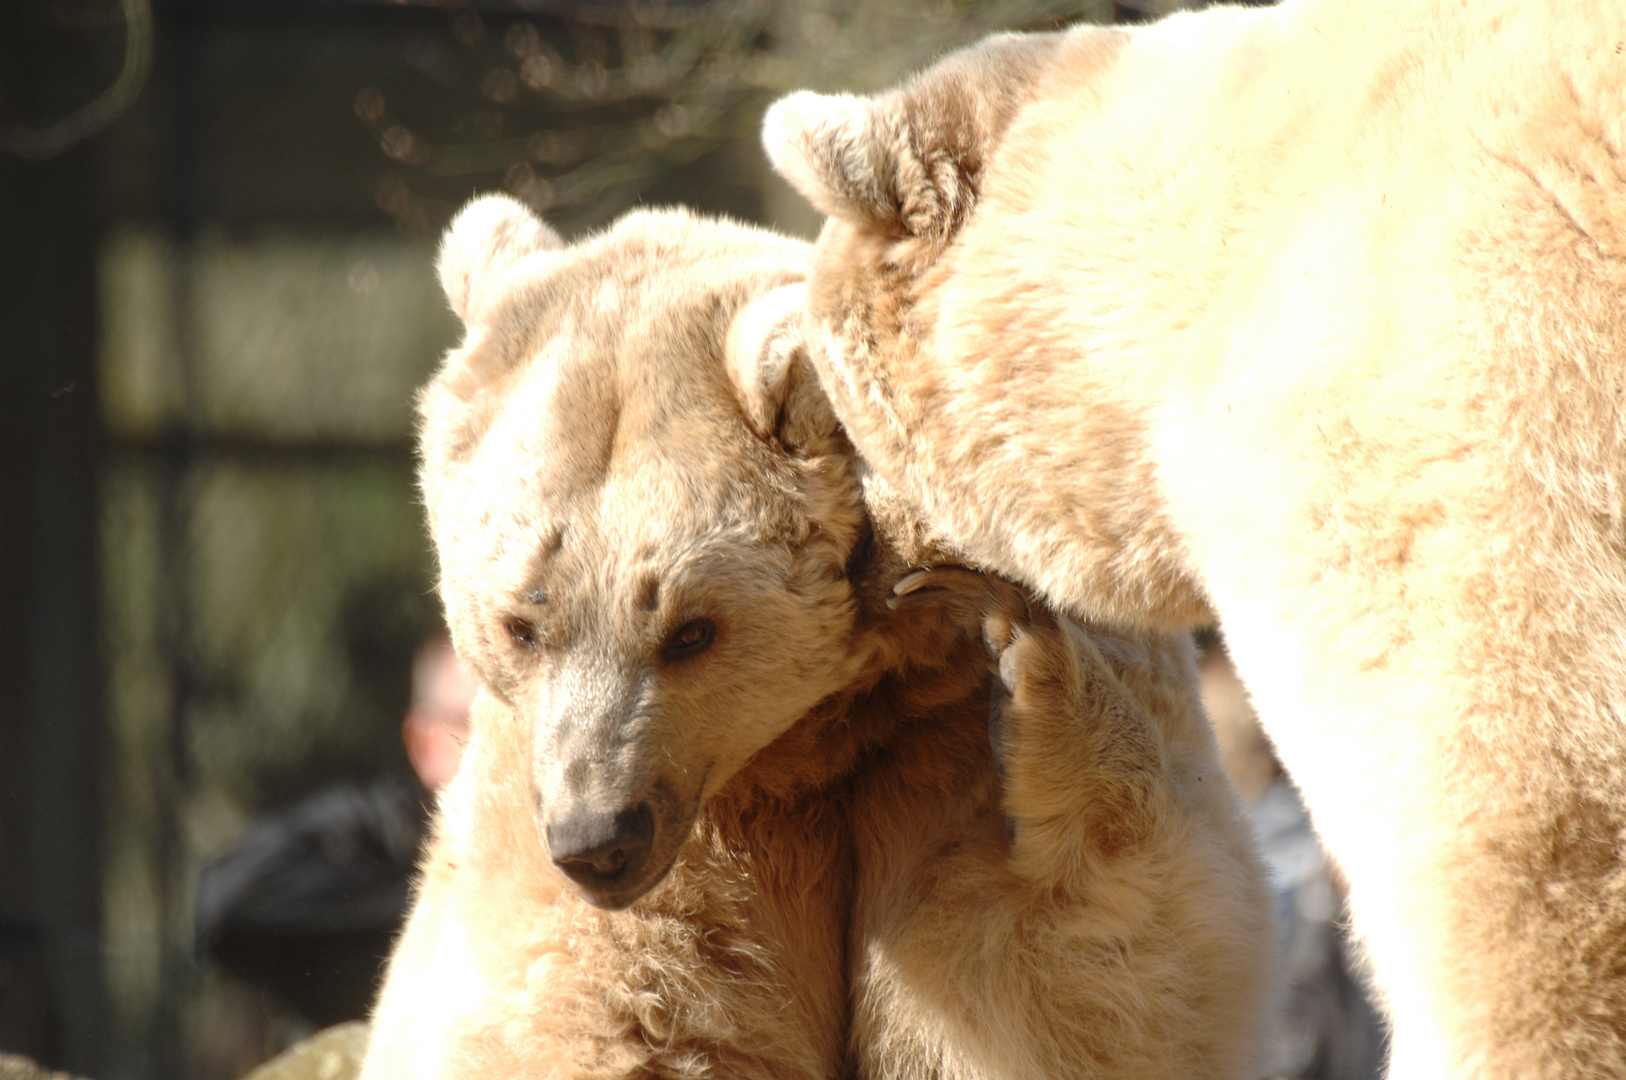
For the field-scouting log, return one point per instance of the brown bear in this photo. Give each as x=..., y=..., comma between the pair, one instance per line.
x=1310, y=317
x=730, y=807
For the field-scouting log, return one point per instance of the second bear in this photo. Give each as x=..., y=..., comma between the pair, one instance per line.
x=731, y=808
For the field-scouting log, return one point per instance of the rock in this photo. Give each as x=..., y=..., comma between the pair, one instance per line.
x=331, y=1054
x=17, y=1067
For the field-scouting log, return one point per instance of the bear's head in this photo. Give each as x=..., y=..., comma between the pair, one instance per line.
x=944, y=337
x=649, y=524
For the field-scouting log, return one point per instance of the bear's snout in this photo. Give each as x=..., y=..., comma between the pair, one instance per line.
x=603, y=851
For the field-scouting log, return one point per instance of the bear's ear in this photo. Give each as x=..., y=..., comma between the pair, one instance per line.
x=486, y=239
x=833, y=149
x=766, y=355
x=909, y=162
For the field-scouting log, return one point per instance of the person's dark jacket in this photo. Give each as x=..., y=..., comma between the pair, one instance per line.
x=308, y=905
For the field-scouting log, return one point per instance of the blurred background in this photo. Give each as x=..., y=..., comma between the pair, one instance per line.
x=217, y=223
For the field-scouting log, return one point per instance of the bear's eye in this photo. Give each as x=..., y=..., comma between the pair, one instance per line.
x=521, y=631
x=691, y=639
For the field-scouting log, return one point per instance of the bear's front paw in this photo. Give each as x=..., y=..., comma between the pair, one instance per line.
x=1082, y=762
x=1015, y=632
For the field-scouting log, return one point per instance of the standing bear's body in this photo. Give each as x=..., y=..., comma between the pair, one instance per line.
x=1314, y=318
x=726, y=812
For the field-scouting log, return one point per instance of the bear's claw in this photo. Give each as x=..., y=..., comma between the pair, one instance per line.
x=946, y=578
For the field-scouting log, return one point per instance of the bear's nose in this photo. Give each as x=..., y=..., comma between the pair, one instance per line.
x=600, y=850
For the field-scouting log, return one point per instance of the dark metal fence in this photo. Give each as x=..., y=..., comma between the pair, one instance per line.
x=215, y=273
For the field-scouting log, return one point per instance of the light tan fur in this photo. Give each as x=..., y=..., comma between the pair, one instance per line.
x=628, y=440
x=1313, y=317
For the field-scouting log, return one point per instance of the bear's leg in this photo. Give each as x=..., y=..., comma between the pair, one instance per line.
x=1085, y=777
x=1084, y=773
x=1085, y=916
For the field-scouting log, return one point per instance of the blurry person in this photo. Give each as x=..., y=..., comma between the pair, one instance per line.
x=436, y=726
x=308, y=905
x=1328, y=1028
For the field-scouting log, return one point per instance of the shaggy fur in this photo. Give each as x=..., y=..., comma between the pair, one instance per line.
x=629, y=441
x=1313, y=317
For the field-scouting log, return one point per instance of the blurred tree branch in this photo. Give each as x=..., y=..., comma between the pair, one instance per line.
x=106, y=107
x=581, y=106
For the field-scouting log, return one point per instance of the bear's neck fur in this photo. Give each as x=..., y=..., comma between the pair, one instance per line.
x=919, y=657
